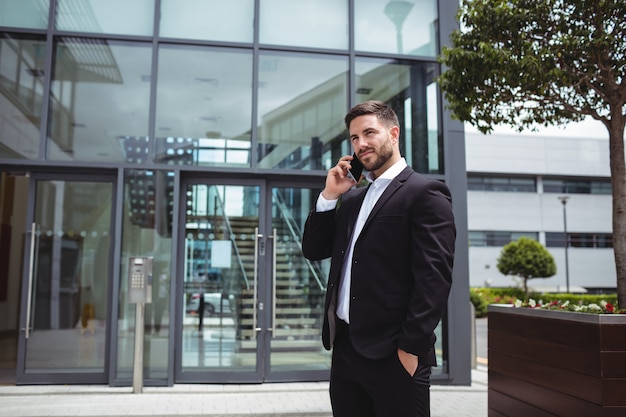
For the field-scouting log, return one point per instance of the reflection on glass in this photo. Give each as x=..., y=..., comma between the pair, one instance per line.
x=441, y=351
x=410, y=89
x=24, y=13
x=99, y=101
x=302, y=101
x=71, y=278
x=106, y=16
x=219, y=278
x=299, y=289
x=317, y=24
x=148, y=210
x=397, y=27
x=21, y=95
x=204, y=106
x=215, y=20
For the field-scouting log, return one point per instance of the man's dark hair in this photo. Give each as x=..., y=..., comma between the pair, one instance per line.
x=385, y=114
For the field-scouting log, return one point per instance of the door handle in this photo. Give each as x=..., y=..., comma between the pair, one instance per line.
x=273, y=237
x=257, y=236
x=31, y=267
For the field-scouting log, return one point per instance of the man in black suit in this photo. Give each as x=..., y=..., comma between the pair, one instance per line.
x=391, y=246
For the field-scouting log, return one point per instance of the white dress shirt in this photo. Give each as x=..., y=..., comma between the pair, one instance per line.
x=375, y=190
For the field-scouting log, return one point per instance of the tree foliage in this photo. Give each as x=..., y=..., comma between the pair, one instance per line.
x=536, y=62
x=527, y=259
x=532, y=63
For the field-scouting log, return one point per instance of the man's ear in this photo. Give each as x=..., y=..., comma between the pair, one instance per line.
x=395, y=133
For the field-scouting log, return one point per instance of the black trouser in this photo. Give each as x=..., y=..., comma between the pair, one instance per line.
x=362, y=387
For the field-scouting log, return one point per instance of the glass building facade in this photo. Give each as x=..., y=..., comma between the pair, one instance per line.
x=197, y=134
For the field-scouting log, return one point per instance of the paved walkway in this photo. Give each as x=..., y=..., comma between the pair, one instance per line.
x=277, y=400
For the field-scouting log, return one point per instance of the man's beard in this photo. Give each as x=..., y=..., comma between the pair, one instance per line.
x=382, y=156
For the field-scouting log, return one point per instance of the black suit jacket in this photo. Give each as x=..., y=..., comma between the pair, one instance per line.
x=401, y=265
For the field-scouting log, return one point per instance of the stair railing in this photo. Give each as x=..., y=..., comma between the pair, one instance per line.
x=295, y=232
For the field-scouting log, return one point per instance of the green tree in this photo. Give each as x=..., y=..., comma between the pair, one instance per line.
x=527, y=259
x=527, y=63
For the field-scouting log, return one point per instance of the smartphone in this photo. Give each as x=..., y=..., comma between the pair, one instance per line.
x=356, y=170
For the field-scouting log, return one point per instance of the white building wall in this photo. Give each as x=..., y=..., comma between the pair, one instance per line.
x=540, y=155
x=510, y=154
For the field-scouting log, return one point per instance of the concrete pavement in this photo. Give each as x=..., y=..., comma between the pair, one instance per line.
x=264, y=400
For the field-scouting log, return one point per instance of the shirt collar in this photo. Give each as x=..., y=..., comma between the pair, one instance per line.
x=390, y=174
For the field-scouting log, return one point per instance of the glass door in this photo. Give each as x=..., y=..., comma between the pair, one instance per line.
x=64, y=319
x=251, y=305
x=223, y=248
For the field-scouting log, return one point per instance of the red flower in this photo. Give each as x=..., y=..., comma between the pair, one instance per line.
x=609, y=307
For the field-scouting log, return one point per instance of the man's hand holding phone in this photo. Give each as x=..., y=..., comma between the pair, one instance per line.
x=342, y=177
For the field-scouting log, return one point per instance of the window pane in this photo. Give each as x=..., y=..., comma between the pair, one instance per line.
x=530, y=235
x=578, y=187
x=302, y=101
x=409, y=90
x=99, y=101
x=396, y=27
x=581, y=240
x=477, y=238
x=21, y=92
x=523, y=185
x=498, y=238
x=553, y=186
x=217, y=20
x=204, y=106
x=555, y=239
x=106, y=16
x=604, y=240
x=475, y=183
x=320, y=23
x=601, y=187
x=24, y=13
x=147, y=220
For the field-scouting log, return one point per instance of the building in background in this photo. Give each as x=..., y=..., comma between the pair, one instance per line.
x=516, y=185
x=197, y=133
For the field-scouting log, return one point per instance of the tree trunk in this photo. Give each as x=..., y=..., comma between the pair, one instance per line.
x=618, y=184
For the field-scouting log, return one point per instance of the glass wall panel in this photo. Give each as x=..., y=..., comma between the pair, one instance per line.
x=318, y=24
x=215, y=20
x=397, y=27
x=100, y=101
x=411, y=90
x=147, y=231
x=302, y=101
x=204, y=106
x=106, y=16
x=31, y=14
x=22, y=63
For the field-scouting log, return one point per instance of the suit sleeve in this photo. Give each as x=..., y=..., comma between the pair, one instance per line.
x=432, y=238
x=317, y=239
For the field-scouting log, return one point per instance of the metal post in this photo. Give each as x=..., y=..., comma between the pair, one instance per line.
x=139, y=335
x=564, y=200
x=139, y=293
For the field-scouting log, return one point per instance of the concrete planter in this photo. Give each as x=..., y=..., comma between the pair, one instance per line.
x=556, y=363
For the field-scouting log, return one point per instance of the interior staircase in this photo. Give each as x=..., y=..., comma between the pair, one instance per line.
x=299, y=295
